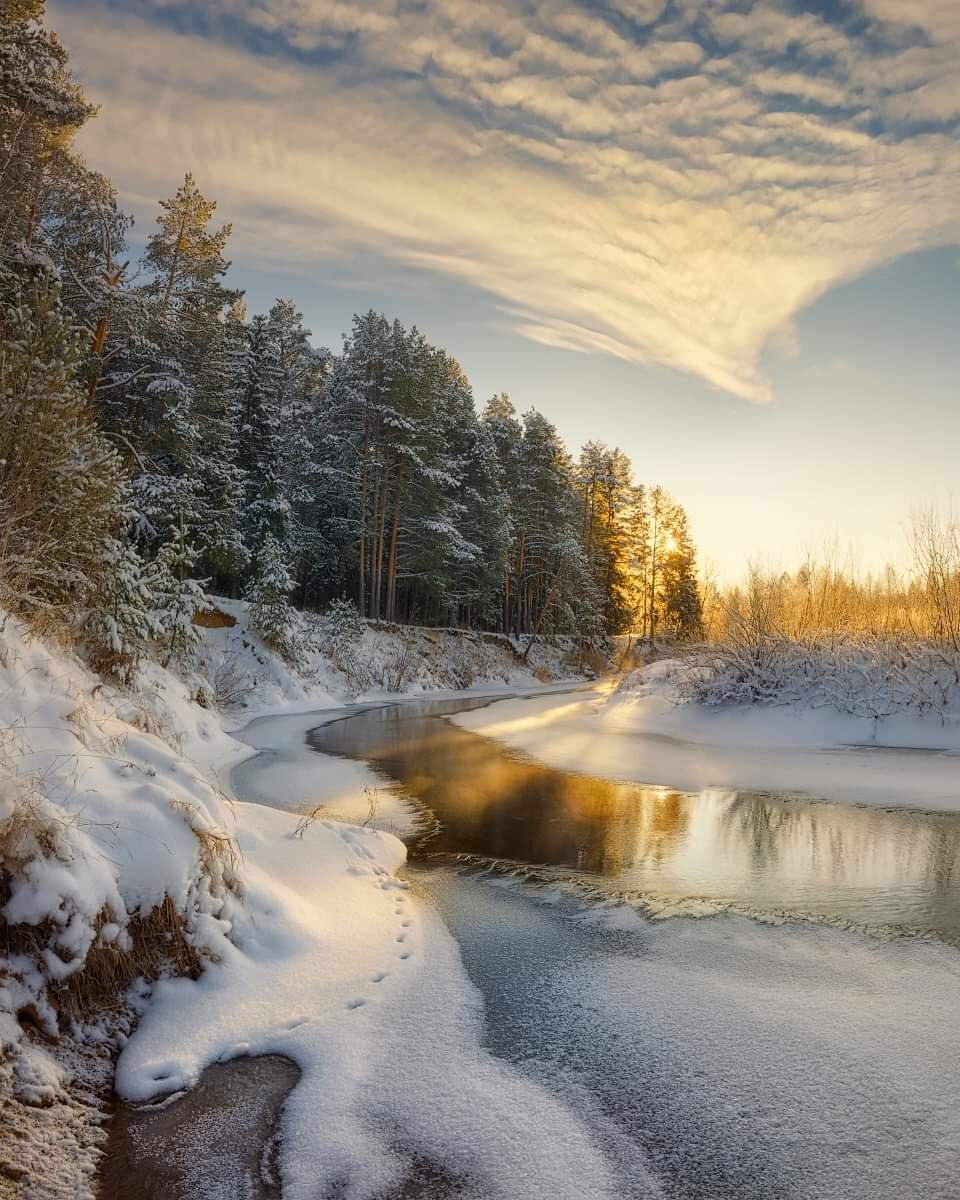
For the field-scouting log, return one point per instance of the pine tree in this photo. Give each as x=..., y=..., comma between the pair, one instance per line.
x=682, y=604
x=271, y=613
x=177, y=596
x=61, y=482
x=172, y=387
x=222, y=478
x=40, y=111
x=123, y=619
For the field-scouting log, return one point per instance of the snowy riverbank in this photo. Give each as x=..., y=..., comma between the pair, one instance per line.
x=125, y=856
x=648, y=732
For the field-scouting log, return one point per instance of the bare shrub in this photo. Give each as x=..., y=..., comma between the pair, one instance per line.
x=399, y=667
x=824, y=636
x=230, y=683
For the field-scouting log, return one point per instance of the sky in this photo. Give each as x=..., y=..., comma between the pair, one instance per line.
x=722, y=235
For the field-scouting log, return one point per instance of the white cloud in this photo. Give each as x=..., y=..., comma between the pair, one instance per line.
x=939, y=19
x=635, y=200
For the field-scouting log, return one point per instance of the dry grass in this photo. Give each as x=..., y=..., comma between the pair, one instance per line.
x=159, y=945
x=219, y=854
x=110, y=664
x=213, y=618
x=51, y=624
x=320, y=812
x=158, y=942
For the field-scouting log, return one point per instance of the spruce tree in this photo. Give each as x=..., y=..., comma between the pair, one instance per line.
x=177, y=596
x=271, y=613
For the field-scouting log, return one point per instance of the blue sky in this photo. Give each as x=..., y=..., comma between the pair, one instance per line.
x=721, y=234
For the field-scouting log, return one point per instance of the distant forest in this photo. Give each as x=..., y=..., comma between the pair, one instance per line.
x=158, y=440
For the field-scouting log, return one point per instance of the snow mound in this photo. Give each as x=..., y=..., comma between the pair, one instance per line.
x=101, y=822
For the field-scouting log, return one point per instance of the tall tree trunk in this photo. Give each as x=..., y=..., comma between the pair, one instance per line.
x=394, y=548
x=362, y=548
x=172, y=274
x=376, y=555
x=548, y=600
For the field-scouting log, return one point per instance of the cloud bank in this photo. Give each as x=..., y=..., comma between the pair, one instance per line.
x=668, y=181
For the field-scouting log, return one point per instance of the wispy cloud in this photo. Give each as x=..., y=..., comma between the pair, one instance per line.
x=665, y=182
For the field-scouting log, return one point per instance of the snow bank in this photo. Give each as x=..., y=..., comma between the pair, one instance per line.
x=386, y=661
x=663, y=698
x=100, y=820
x=338, y=966
x=115, y=812
x=646, y=732
x=114, y=850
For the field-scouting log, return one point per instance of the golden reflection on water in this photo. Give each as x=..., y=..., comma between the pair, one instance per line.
x=773, y=852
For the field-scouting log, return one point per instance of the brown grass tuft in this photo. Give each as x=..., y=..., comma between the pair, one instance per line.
x=158, y=946
x=213, y=618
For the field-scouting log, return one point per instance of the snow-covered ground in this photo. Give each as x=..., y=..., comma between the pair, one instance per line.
x=335, y=964
x=116, y=811
x=648, y=733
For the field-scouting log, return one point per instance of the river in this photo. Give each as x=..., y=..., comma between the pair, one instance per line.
x=740, y=995
x=801, y=1042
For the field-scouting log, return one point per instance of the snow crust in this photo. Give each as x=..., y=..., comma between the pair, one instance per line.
x=647, y=734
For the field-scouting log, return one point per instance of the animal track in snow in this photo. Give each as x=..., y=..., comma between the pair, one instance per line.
x=379, y=976
x=359, y=1002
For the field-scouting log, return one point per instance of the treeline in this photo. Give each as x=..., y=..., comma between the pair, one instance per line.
x=156, y=435
x=828, y=601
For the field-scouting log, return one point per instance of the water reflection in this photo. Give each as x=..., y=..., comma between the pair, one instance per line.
x=761, y=852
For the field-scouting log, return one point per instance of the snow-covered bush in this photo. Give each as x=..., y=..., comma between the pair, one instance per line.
x=230, y=683
x=177, y=597
x=58, y=891
x=862, y=676
x=397, y=666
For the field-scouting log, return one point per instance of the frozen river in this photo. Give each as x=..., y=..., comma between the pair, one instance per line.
x=803, y=1041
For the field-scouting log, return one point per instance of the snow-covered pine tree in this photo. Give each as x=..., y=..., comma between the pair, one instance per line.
x=171, y=385
x=271, y=613
x=177, y=596
x=499, y=419
x=220, y=388
x=276, y=454
x=61, y=482
x=123, y=618
x=40, y=110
